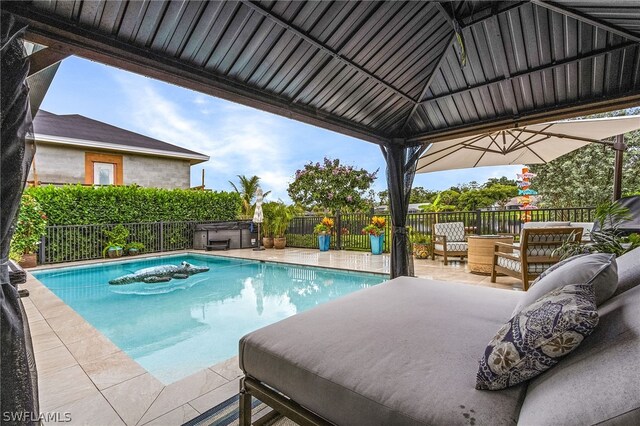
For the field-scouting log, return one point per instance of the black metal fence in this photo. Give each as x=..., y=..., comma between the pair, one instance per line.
x=348, y=226
x=84, y=242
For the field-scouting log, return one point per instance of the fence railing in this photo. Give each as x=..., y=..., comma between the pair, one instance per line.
x=348, y=226
x=69, y=243
x=85, y=242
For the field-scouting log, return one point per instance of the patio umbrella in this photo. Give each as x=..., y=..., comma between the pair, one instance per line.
x=534, y=144
x=258, y=216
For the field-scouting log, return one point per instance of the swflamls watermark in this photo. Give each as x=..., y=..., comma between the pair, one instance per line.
x=27, y=416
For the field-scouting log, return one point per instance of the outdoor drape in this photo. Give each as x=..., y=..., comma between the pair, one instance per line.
x=18, y=381
x=401, y=168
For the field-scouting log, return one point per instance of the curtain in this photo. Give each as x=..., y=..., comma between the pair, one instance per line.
x=401, y=168
x=18, y=380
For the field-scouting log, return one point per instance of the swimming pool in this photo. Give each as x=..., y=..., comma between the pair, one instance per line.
x=178, y=328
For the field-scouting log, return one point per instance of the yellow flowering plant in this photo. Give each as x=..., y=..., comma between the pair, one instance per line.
x=376, y=227
x=324, y=227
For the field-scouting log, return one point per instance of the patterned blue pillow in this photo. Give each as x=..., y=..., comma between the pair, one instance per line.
x=537, y=337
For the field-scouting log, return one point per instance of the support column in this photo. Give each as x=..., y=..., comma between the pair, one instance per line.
x=619, y=147
x=401, y=168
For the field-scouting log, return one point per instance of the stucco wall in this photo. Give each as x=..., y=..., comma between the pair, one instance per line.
x=61, y=164
x=58, y=164
x=156, y=172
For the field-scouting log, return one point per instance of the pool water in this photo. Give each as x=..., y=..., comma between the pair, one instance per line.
x=178, y=328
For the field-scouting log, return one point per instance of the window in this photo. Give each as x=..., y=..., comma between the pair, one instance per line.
x=102, y=169
x=103, y=173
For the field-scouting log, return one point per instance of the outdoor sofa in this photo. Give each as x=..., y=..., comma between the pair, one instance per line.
x=406, y=352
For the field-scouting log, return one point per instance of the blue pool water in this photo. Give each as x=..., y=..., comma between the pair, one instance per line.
x=175, y=329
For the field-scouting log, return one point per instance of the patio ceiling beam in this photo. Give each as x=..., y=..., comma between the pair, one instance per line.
x=526, y=73
x=566, y=11
x=44, y=58
x=324, y=48
x=48, y=30
x=571, y=110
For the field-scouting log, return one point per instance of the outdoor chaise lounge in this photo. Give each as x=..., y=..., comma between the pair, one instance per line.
x=406, y=353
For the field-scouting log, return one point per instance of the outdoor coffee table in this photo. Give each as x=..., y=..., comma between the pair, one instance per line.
x=480, y=251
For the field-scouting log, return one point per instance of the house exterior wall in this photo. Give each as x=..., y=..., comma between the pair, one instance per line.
x=156, y=172
x=66, y=164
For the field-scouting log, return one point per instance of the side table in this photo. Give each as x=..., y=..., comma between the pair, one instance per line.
x=481, y=252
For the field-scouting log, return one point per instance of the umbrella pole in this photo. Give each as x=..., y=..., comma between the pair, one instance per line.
x=259, y=248
x=619, y=147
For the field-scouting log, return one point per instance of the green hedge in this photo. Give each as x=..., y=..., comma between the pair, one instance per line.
x=85, y=205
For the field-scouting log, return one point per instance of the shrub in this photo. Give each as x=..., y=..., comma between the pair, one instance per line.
x=82, y=205
x=30, y=227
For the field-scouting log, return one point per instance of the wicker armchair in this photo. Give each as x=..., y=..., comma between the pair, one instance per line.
x=534, y=255
x=449, y=240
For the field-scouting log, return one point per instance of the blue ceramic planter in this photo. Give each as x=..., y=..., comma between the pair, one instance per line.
x=377, y=243
x=323, y=242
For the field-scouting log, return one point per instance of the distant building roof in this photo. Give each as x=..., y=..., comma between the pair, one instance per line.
x=78, y=130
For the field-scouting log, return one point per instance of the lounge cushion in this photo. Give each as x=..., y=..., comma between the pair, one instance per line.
x=454, y=231
x=452, y=247
x=557, y=265
x=537, y=337
x=599, y=270
x=599, y=382
x=516, y=265
x=628, y=271
x=401, y=353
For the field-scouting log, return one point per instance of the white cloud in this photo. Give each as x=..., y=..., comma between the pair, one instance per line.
x=239, y=140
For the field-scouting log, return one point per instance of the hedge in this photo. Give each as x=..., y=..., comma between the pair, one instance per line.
x=85, y=205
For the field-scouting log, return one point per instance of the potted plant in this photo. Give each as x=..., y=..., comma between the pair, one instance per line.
x=30, y=227
x=376, y=233
x=116, y=240
x=324, y=229
x=421, y=244
x=268, y=210
x=282, y=215
x=134, y=248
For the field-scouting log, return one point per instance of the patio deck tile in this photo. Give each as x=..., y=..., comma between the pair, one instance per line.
x=76, y=332
x=91, y=349
x=228, y=369
x=63, y=387
x=177, y=416
x=112, y=369
x=54, y=359
x=132, y=398
x=183, y=391
x=216, y=396
x=90, y=410
x=45, y=341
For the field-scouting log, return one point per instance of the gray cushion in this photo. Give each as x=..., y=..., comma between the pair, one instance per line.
x=401, y=353
x=516, y=265
x=536, y=338
x=598, y=269
x=557, y=265
x=597, y=383
x=628, y=271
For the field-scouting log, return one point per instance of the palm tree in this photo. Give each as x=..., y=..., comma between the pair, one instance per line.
x=247, y=191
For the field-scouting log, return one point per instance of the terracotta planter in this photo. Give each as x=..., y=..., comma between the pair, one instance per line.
x=28, y=260
x=280, y=242
x=421, y=250
x=267, y=242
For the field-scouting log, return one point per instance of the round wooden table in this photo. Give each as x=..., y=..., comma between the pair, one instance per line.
x=481, y=252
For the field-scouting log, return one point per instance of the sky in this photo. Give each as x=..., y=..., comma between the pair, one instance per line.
x=240, y=140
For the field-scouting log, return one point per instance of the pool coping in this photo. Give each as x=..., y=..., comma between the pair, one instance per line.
x=225, y=254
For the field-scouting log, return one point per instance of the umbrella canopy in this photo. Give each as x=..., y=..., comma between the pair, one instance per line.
x=258, y=217
x=535, y=144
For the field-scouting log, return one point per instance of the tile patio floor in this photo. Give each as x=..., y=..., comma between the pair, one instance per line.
x=83, y=373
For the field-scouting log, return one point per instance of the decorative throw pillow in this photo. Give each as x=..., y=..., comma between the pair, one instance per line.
x=556, y=266
x=536, y=338
x=599, y=269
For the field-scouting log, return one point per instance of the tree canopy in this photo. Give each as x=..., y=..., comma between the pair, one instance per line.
x=332, y=186
x=585, y=176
